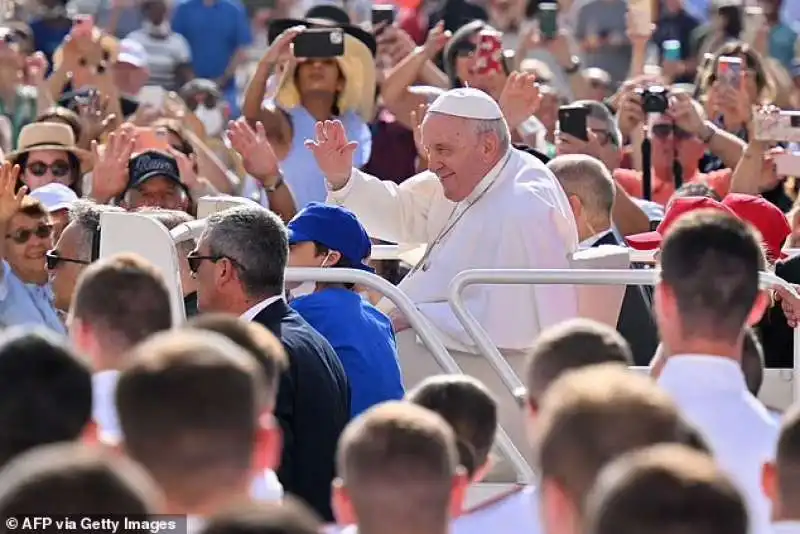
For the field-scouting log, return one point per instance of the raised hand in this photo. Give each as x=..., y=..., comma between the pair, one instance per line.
x=258, y=157
x=185, y=168
x=436, y=40
x=10, y=200
x=520, y=98
x=281, y=48
x=334, y=154
x=110, y=174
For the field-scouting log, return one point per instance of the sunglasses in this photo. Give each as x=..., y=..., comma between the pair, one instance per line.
x=58, y=168
x=195, y=260
x=52, y=260
x=23, y=236
x=208, y=102
x=662, y=131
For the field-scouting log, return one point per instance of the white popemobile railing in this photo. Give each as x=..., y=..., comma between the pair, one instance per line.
x=568, y=276
x=421, y=327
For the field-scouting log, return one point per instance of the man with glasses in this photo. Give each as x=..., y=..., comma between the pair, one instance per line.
x=75, y=249
x=239, y=266
x=25, y=296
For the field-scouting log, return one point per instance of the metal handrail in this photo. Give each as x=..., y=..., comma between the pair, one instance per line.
x=422, y=328
x=487, y=348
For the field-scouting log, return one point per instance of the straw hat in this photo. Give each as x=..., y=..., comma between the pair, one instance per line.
x=50, y=136
x=358, y=68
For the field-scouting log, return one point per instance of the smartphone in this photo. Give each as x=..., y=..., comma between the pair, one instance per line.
x=729, y=70
x=548, y=20
x=671, y=50
x=489, y=53
x=572, y=121
x=641, y=16
x=319, y=43
x=382, y=14
x=151, y=139
x=152, y=96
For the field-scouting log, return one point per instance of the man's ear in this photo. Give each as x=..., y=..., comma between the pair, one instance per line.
x=342, y=505
x=458, y=492
x=769, y=483
x=268, y=445
x=763, y=300
x=90, y=433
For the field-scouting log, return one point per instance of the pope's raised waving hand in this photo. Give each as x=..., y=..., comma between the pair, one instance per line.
x=334, y=154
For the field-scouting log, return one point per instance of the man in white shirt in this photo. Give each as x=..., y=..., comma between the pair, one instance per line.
x=482, y=205
x=708, y=293
x=119, y=302
x=782, y=476
x=195, y=411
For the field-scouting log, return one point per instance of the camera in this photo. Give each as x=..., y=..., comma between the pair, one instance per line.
x=655, y=99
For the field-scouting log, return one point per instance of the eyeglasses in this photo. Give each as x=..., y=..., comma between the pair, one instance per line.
x=23, y=236
x=662, y=131
x=196, y=259
x=58, y=168
x=603, y=136
x=52, y=259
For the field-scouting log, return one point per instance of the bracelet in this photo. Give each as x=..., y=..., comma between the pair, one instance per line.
x=278, y=183
x=710, y=135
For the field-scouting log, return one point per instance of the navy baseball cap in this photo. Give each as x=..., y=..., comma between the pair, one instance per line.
x=334, y=227
x=151, y=164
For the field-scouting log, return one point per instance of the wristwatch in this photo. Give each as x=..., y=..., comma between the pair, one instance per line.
x=575, y=65
x=277, y=181
x=708, y=133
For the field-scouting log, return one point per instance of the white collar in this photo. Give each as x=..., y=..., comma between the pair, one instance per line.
x=250, y=314
x=701, y=373
x=487, y=180
x=590, y=241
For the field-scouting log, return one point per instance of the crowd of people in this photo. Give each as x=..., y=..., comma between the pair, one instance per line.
x=473, y=134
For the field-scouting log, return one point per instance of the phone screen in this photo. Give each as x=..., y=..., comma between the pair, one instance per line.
x=572, y=121
x=151, y=139
x=548, y=20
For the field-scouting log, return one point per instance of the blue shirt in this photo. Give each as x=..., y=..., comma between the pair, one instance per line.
x=363, y=339
x=214, y=32
x=46, y=38
x=782, y=40
x=26, y=304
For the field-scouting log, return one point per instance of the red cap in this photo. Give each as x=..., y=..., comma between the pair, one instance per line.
x=768, y=219
x=675, y=210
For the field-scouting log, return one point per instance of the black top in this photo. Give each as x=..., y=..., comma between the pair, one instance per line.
x=313, y=407
x=636, y=322
x=776, y=336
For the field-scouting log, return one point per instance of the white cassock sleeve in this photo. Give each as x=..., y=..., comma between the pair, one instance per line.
x=396, y=213
x=536, y=238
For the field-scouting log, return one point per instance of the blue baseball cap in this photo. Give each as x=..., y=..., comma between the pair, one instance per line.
x=334, y=227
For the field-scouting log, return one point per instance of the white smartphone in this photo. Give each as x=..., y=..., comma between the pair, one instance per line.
x=152, y=96
x=753, y=21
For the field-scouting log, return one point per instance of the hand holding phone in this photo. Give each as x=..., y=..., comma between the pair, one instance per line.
x=729, y=71
x=146, y=139
x=382, y=15
x=548, y=20
x=319, y=43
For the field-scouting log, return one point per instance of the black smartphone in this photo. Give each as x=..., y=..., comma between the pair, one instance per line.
x=572, y=121
x=319, y=43
x=548, y=20
x=383, y=14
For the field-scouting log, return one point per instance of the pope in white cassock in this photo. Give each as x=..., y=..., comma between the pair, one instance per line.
x=481, y=205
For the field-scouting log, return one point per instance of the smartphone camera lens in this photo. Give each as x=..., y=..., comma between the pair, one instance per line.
x=82, y=62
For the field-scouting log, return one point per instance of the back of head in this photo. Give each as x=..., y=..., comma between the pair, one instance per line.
x=397, y=462
x=590, y=416
x=123, y=299
x=290, y=516
x=665, y=489
x=470, y=409
x=46, y=391
x=710, y=263
x=73, y=479
x=188, y=405
x=171, y=219
x=86, y=215
x=570, y=345
x=252, y=337
x=257, y=240
x=588, y=179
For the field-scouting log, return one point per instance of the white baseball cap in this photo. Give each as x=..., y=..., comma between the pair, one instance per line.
x=132, y=53
x=54, y=196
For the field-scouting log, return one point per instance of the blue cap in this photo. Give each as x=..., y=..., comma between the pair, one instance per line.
x=334, y=227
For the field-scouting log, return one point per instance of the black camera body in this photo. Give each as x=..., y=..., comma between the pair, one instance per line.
x=655, y=99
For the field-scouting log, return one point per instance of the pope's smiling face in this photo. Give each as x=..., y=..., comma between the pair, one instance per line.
x=457, y=153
